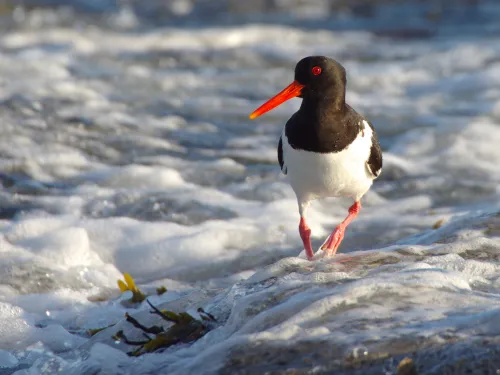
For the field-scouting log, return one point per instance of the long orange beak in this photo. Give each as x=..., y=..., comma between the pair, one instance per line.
x=291, y=91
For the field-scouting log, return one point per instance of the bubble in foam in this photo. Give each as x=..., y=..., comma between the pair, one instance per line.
x=358, y=352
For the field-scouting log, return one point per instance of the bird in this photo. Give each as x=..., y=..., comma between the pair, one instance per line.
x=326, y=148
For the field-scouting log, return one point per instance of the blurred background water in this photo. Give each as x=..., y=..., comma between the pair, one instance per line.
x=126, y=147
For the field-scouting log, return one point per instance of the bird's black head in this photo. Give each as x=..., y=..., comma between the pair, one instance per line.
x=321, y=76
x=316, y=78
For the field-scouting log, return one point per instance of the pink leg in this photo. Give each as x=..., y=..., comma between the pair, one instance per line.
x=332, y=244
x=305, y=234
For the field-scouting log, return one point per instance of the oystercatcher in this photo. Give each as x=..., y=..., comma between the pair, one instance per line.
x=326, y=148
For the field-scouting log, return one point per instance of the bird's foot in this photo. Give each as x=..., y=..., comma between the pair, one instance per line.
x=333, y=242
x=305, y=234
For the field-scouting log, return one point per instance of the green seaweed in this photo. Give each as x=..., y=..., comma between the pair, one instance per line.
x=185, y=329
x=94, y=331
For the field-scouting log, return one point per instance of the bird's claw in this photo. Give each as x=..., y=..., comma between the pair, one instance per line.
x=333, y=242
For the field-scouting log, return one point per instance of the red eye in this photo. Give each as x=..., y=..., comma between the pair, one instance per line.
x=316, y=70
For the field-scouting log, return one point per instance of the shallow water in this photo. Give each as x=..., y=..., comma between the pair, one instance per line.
x=126, y=147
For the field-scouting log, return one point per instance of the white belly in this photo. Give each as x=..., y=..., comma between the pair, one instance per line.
x=339, y=174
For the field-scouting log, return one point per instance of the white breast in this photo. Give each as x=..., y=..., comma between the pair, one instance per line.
x=345, y=173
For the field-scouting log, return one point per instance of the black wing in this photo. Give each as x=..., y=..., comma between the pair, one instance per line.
x=280, y=157
x=375, y=159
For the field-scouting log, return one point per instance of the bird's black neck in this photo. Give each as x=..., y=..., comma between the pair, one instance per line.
x=324, y=102
x=323, y=125
x=320, y=109
x=323, y=113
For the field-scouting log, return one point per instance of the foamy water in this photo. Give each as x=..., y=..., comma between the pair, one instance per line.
x=131, y=151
